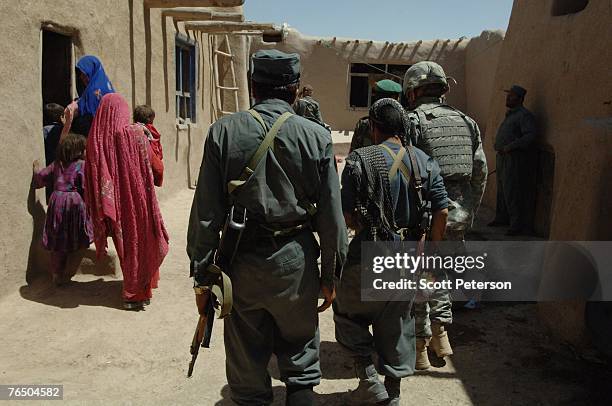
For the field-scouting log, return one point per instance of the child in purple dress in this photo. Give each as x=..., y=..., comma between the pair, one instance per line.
x=67, y=227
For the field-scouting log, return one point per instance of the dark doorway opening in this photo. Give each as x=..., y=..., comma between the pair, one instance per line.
x=56, y=69
x=56, y=88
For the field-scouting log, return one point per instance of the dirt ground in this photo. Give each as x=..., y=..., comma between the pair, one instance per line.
x=78, y=336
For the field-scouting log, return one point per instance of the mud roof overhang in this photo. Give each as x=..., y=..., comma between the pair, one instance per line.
x=193, y=3
x=200, y=14
x=213, y=27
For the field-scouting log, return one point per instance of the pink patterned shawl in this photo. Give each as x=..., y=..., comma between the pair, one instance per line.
x=120, y=196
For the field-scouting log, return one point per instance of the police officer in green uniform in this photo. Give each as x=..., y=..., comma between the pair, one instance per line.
x=385, y=88
x=380, y=204
x=293, y=191
x=515, y=165
x=453, y=139
x=307, y=107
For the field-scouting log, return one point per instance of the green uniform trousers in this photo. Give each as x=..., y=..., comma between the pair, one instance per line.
x=276, y=286
x=393, y=337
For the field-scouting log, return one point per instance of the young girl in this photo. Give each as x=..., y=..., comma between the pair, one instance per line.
x=67, y=227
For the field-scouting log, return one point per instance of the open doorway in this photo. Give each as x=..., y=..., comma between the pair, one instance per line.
x=56, y=83
x=56, y=68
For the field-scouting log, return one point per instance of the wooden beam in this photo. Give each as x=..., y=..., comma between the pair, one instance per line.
x=200, y=14
x=226, y=26
x=235, y=33
x=232, y=88
x=193, y=3
x=276, y=34
x=223, y=53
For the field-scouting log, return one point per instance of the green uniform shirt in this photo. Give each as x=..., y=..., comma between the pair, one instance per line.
x=302, y=152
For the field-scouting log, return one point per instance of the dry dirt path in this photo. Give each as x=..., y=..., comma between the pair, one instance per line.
x=78, y=336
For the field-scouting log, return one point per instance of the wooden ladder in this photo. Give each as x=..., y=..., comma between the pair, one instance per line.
x=219, y=88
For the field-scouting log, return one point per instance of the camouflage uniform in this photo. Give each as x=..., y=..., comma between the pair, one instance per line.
x=308, y=107
x=453, y=140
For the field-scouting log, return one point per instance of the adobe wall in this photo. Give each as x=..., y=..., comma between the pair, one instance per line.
x=140, y=63
x=326, y=63
x=564, y=63
x=481, y=57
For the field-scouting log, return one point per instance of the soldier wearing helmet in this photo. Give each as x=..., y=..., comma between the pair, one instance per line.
x=453, y=139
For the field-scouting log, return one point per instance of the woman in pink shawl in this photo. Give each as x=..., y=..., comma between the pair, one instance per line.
x=121, y=198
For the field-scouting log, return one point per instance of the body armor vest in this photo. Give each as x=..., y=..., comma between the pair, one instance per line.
x=446, y=136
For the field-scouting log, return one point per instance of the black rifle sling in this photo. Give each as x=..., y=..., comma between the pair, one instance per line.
x=416, y=172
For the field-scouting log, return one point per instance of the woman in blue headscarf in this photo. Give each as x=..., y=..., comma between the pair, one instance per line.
x=92, y=85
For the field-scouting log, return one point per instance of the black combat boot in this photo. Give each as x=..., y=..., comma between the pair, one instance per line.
x=299, y=395
x=393, y=389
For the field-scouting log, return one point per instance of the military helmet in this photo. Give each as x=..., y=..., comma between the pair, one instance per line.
x=424, y=73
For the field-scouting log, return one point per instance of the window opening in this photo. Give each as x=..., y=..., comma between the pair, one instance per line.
x=185, y=65
x=363, y=76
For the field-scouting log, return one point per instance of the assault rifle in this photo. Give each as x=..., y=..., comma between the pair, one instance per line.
x=215, y=295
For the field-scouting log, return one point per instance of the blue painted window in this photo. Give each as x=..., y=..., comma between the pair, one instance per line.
x=185, y=65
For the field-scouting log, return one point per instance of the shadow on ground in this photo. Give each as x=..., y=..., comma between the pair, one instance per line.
x=92, y=293
x=97, y=292
x=328, y=399
x=335, y=362
x=504, y=357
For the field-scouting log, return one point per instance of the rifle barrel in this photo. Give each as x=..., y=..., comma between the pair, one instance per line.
x=195, y=345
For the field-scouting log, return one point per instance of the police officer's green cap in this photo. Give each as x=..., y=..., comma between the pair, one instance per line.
x=517, y=90
x=387, y=86
x=275, y=68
